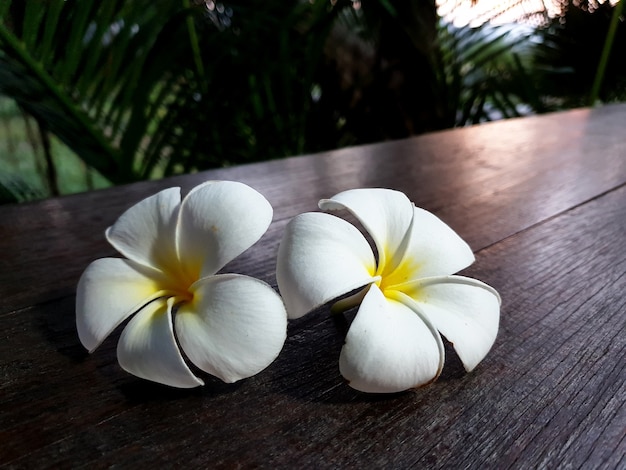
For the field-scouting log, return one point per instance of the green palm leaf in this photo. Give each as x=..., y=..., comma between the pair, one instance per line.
x=90, y=72
x=481, y=73
x=141, y=88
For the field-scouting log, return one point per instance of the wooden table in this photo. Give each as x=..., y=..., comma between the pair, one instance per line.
x=541, y=200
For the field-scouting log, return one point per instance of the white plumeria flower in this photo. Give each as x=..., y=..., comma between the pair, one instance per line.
x=228, y=325
x=407, y=293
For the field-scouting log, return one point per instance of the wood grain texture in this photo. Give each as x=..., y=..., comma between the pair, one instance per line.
x=488, y=182
x=547, y=214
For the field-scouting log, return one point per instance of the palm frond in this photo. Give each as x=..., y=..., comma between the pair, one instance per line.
x=480, y=73
x=90, y=71
x=14, y=188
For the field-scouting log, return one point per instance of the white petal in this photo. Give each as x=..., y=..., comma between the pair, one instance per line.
x=432, y=249
x=145, y=232
x=108, y=292
x=234, y=327
x=386, y=215
x=320, y=258
x=219, y=220
x=464, y=310
x=147, y=348
x=389, y=348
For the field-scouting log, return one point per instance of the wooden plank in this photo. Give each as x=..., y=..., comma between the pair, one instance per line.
x=509, y=175
x=551, y=393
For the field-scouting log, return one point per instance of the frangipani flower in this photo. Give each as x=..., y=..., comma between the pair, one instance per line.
x=407, y=293
x=228, y=325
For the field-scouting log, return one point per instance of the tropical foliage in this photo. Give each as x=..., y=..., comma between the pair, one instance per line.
x=569, y=64
x=101, y=76
x=141, y=90
x=147, y=89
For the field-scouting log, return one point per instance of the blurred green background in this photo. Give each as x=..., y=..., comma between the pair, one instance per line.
x=100, y=93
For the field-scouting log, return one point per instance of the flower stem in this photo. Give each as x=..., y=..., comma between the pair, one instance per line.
x=606, y=53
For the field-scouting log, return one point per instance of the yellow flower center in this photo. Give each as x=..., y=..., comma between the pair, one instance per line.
x=390, y=283
x=391, y=278
x=177, y=282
